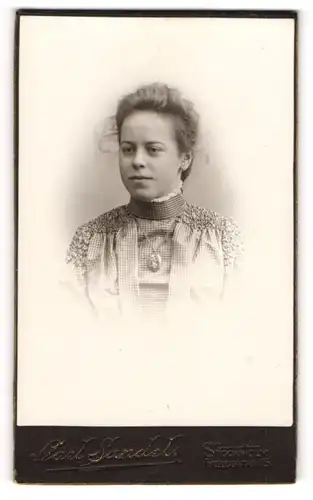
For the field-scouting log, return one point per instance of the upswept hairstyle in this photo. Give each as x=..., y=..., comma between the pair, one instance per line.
x=160, y=98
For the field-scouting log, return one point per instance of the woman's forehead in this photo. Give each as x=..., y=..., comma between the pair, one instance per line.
x=148, y=126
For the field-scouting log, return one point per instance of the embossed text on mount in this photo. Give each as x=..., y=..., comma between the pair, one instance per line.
x=97, y=451
x=220, y=456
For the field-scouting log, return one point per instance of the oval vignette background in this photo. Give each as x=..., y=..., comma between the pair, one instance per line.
x=239, y=73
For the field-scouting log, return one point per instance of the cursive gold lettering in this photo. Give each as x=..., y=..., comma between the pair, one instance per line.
x=99, y=455
x=95, y=450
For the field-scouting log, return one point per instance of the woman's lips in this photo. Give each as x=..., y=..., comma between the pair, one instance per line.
x=139, y=178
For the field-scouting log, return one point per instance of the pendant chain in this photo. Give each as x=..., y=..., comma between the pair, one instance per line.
x=154, y=261
x=155, y=250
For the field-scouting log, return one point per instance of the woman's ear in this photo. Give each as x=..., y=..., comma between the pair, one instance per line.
x=186, y=161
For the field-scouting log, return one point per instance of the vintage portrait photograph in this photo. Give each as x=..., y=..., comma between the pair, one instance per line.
x=155, y=228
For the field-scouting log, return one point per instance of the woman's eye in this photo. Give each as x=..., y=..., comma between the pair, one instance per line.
x=153, y=149
x=127, y=150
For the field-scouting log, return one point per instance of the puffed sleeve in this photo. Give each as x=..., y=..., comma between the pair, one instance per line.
x=233, y=254
x=232, y=244
x=81, y=256
x=83, y=251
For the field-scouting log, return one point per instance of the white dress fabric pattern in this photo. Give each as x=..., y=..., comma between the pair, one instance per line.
x=109, y=257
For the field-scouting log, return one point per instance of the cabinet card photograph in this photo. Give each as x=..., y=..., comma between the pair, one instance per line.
x=155, y=175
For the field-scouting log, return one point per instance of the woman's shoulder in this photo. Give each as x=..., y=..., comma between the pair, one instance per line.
x=106, y=222
x=93, y=231
x=203, y=219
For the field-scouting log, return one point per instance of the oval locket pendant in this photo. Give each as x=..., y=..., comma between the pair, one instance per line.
x=154, y=262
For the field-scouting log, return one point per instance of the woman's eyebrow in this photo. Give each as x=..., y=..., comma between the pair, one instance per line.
x=128, y=142
x=155, y=142
x=149, y=143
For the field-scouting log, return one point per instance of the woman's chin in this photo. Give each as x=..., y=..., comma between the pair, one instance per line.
x=143, y=195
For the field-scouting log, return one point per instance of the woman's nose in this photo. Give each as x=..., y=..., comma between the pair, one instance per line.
x=139, y=160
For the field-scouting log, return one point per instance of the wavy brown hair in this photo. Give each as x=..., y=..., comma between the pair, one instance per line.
x=161, y=98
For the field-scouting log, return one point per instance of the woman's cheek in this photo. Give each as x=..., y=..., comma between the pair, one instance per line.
x=124, y=166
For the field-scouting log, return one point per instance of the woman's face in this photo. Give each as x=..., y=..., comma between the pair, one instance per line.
x=149, y=158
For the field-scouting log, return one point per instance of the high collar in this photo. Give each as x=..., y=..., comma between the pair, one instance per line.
x=157, y=210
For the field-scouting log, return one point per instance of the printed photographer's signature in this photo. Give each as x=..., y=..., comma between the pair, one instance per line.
x=107, y=453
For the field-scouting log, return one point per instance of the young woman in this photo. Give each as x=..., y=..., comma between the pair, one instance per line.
x=158, y=253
